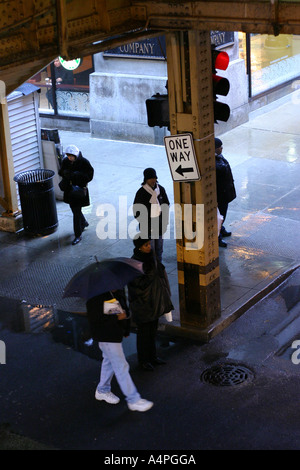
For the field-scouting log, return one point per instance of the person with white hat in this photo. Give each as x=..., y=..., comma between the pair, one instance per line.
x=76, y=172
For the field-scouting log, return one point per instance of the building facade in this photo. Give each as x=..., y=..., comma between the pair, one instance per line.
x=106, y=93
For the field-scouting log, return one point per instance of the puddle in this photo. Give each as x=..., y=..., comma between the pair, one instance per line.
x=73, y=331
x=70, y=329
x=67, y=328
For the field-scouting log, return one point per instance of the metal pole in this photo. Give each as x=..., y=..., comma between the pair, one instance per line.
x=191, y=111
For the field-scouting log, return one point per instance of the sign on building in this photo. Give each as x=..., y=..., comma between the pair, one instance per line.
x=182, y=157
x=155, y=48
x=222, y=39
x=152, y=48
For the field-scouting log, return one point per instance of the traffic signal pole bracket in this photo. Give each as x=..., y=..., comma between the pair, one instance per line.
x=191, y=111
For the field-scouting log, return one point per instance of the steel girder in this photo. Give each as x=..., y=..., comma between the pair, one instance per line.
x=33, y=33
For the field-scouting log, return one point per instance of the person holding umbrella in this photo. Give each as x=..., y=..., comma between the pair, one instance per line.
x=108, y=317
x=149, y=298
x=102, y=284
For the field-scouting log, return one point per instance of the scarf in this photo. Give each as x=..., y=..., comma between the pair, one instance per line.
x=155, y=205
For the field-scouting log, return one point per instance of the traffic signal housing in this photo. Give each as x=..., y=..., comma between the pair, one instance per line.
x=158, y=111
x=221, y=86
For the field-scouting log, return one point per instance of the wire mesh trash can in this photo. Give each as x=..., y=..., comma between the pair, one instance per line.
x=37, y=200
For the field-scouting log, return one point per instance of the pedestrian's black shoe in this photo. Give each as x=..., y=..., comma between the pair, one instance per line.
x=147, y=366
x=76, y=240
x=222, y=243
x=158, y=361
x=224, y=232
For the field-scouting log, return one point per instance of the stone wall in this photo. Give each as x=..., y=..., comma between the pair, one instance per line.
x=120, y=86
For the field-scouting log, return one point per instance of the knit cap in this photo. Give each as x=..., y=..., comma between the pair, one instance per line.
x=138, y=241
x=149, y=173
x=218, y=143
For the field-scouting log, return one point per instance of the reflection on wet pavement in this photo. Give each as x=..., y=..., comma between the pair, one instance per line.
x=264, y=219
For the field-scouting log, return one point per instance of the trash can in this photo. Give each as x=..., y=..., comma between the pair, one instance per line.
x=37, y=200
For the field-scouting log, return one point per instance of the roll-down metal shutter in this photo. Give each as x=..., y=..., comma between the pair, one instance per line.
x=25, y=129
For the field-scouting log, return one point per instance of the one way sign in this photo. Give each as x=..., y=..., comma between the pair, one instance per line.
x=182, y=158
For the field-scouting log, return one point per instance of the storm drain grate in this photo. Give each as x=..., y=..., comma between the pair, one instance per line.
x=226, y=375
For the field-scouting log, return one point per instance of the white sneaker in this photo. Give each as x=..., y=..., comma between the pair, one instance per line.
x=109, y=397
x=140, y=405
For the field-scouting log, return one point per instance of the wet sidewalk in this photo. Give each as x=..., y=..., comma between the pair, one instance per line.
x=47, y=387
x=264, y=218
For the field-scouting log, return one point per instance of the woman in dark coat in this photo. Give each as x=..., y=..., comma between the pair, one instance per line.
x=76, y=171
x=149, y=298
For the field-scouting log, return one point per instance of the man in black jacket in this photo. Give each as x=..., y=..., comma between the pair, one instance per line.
x=225, y=187
x=76, y=172
x=62, y=76
x=108, y=318
x=151, y=209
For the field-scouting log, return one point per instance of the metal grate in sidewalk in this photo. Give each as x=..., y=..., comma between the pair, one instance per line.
x=42, y=283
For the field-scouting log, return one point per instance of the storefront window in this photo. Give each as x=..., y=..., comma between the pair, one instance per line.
x=274, y=60
x=65, y=87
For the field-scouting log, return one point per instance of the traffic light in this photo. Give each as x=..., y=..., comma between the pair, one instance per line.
x=158, y=111
x=221, y=86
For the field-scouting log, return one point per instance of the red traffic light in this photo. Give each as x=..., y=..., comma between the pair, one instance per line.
x=220, y=60
x=221, y=86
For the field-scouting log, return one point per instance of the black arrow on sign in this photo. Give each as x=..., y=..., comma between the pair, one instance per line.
x=181, y=170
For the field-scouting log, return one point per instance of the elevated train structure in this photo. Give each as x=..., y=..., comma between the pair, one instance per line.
x=34, y=32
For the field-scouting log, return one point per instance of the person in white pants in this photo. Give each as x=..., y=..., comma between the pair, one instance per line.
x=109, y=329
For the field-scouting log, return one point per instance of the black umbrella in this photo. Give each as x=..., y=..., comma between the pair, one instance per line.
x=103, y=276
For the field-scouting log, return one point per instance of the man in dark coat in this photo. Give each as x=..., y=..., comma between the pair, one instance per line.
x=108, y=327
x=151, y=209
x=149, y=298
x=62, y=77
x=225, y=187
x=76, y=172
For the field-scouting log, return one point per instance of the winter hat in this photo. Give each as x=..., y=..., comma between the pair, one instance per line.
x=149, y=173
x=218, y=143
x=72, y=150
x=139, y=241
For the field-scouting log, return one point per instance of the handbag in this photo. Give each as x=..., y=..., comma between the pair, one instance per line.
x=64, y=184
x=77, y=194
